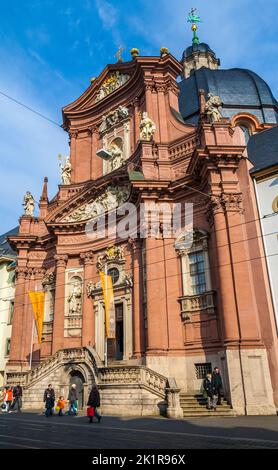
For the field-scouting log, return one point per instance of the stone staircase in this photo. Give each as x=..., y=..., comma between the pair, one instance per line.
x=194, y=406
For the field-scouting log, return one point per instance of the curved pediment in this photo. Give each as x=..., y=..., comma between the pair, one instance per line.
x=90, y=203
x=113, y=78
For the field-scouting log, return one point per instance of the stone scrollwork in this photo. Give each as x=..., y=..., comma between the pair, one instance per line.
x=112, y=198
x=111, y=84
x=113, y=118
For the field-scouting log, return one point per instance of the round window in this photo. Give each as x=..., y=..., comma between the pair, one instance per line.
x=115, y=275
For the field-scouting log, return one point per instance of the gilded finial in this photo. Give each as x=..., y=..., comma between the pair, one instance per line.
x=163, y=52
x=134, y=52
x=193, y=18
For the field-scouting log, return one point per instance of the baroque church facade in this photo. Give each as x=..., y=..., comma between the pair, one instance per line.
x=138, y=135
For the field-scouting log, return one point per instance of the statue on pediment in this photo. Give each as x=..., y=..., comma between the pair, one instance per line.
x=66, y=170
x=147, y=128
x=29, y=204
x=213, y=108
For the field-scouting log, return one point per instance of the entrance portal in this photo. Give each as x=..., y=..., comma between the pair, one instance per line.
x=77, y=378
x=116, y=346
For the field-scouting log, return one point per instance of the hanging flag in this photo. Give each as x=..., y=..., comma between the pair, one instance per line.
x=38, y=300
x=110, y=313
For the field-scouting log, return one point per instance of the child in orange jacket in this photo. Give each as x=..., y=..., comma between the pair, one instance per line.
x=61, y=404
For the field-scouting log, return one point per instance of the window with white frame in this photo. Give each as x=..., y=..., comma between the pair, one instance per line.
x=193, y=251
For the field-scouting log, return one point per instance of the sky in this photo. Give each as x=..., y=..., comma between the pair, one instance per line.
x=49, y=50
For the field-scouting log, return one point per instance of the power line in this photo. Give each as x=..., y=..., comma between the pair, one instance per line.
x=150, y=280
x=169, y=259
x=30, y=109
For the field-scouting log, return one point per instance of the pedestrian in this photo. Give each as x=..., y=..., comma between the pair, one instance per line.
x=94, y=402
x=8, y=399
x=211, y=392
x=49, y=400
x=73, y=400
x=61, y=404
x=17, y=403
x=217, y=381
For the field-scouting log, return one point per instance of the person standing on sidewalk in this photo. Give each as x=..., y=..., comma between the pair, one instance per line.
x=94, y=402
x=217, y=382
x=211, y=392
x=17, y=403
x=73, y=400
x=49, y=400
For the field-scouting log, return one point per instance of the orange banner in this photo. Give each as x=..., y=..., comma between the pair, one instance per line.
x=38, y=300
x=110, y=313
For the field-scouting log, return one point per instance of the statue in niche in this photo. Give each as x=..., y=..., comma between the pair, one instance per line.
x=147, y=128
x=66, y=170
x=75, y=299
x=117, y=156
x=29, y=204
x=213, y=108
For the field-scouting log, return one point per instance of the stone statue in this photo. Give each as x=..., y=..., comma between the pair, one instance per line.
x=147, y=128
x=75, y=299
x=113, y=118
x=213, y=108
x=66, y=172
x=29, y=204
x=117, y=155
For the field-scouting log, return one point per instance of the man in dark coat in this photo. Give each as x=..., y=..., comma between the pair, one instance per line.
x=94, y=401
x=49, y=400
x=17, y=393
x=73, y=400
x=211, y=392
x=217, y=382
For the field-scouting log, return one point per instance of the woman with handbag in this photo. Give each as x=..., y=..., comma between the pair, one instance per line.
x=93, y=404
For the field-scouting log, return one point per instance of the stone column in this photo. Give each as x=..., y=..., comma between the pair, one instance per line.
x=228, y=308
x=16, y=350
x=138, y=318
x=73, y=140
x=88, y=321
x=59, y=309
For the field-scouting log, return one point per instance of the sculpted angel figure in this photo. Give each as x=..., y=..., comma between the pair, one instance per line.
x=213, y=108
x=75, y=299
x=29, y=204
x=66, y=171
x=147, y=128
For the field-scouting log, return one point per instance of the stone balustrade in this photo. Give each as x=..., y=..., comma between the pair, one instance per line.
x=197, y=303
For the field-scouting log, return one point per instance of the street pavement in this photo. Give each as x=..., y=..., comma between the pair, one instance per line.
x=35, y=431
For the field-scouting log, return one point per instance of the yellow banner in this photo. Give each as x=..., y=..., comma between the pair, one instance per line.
x=37, y=300
x=110, y=314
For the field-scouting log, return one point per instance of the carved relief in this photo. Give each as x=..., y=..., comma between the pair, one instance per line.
x=111, y=84
x=113, y=197
x=113, y=118
x=111, y=254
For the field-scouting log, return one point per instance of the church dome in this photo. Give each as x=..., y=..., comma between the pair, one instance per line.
x=202, y=47
x=241, y=91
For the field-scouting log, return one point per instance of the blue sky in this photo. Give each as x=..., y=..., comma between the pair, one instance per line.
x=49, y=49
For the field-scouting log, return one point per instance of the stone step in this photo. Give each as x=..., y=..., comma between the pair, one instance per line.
x=205, y=414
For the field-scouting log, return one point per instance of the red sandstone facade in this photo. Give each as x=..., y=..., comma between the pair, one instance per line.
x=161, y=323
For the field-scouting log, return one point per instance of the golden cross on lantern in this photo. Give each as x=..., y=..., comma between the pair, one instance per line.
x=119, y=54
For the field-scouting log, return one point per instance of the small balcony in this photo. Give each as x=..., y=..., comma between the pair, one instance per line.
x=196, y=304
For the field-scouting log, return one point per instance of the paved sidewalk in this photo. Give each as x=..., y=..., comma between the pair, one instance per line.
x=35, y=431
